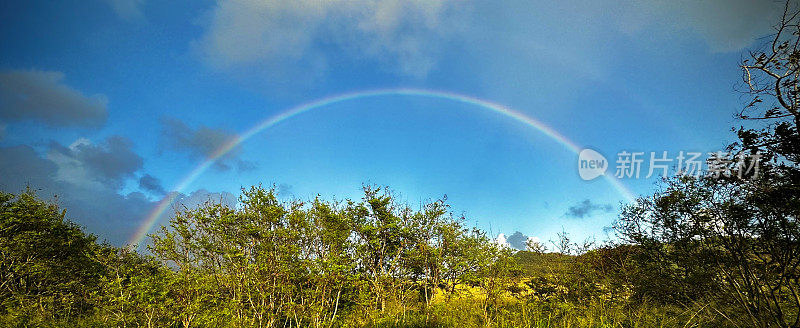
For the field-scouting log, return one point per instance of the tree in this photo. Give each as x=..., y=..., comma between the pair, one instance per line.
x=735, y=238
x=48, y=265
x=133, y=291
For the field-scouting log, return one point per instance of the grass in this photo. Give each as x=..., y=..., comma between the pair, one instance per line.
x=469, y=309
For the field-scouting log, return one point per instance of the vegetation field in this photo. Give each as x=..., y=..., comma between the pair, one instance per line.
x=701, y=251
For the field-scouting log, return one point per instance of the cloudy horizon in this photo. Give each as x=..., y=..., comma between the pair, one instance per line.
x=111, y=104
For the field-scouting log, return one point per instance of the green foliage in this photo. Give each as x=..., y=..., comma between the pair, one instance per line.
x=270, y=263
x=701, y=252
x=735, y=239
x=48, y=266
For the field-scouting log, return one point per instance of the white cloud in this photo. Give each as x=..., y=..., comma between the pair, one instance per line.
x=501, y=240
x=130, y=10
x=267, y=34
x=537, y=244
x=42, y=96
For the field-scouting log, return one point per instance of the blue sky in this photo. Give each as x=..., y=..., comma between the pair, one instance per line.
x=109, y=104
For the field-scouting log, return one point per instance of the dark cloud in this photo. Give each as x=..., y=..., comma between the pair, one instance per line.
x=87, y=181
x=109, y=163
x=726, y=25
x=42, y=96
x=97, y=206
x=285, y=190
x=21, y=166
x=587, y=208
x=151, y=184
x=242, y=165
x=202, y=143
x=517, y=240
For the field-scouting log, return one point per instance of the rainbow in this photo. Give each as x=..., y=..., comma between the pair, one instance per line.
x=162, y=207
